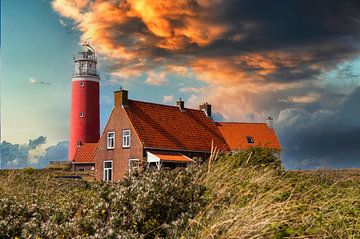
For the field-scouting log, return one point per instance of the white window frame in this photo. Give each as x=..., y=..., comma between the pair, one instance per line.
x=105, y=171
x=81, y=114
x=126, y=138
x=108, y=140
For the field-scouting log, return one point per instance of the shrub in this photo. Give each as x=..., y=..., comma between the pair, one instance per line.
x=149, y=205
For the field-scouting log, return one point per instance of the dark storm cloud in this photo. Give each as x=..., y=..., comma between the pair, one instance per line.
x=138, y=37
x=322, y=138
x=255, y=57
x=30, y=154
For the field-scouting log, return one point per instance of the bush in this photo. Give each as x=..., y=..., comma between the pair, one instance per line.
x=153, y=204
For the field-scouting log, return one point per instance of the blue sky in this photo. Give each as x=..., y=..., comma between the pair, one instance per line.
x=294, y=60
x=37, y=46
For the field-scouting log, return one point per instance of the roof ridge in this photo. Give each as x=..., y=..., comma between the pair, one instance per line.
x=234, y=122
x=172, y=106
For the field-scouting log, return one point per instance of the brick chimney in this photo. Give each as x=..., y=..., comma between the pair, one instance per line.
x=270, y=122
x=206, y=108
x=121, y=97
x=180, y=103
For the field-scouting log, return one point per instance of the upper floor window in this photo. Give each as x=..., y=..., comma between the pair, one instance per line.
x=126, y=138
x=111, y=140
x=250, y=139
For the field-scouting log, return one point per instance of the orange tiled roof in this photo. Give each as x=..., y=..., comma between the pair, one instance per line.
x=235, y=135
x=172, y=157
x=85, y=153
x=166, y=127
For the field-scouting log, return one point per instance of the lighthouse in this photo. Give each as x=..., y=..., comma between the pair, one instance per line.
x=84, y=112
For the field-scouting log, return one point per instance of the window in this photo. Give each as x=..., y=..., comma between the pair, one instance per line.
x=82, y=84
x=250, y=139
x=126, y=138
x=81, y=114
x=111, y=140
x=108, y=170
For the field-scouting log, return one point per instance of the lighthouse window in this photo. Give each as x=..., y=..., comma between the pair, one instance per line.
x=126, y=138
x=81, y=114
x=82, y=84
x=111, y=140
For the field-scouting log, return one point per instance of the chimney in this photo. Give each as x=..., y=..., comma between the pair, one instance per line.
x=180, y=103
x=270, y=122
x=206, y=108
x=121, y=97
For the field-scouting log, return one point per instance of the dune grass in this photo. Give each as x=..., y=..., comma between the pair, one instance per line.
x=243, y=195
x=251, y=196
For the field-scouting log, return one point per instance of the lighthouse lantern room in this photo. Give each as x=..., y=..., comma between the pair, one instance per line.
x=84, y=112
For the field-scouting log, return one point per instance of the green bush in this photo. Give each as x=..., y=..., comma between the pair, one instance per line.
x=153, y=204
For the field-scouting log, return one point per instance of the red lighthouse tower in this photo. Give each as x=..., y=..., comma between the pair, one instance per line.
x=84, y=115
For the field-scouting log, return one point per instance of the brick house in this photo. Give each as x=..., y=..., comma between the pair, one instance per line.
x=167, y=136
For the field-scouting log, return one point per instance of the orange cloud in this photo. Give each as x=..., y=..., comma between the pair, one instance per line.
x=142, y=36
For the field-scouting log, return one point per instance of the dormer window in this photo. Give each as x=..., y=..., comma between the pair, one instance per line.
x=249, y=139
x=110, y=140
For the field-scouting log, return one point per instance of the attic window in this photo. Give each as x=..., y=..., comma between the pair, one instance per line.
x=126, y=138
x=110, y=140
x=250, y=139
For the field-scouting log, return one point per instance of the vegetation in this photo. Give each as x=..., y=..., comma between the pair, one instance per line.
x=244, y=195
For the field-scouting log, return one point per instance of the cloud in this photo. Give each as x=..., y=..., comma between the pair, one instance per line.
x=321, y=138
x=255, y=58
x=190, y=89
x=32, y=154
x=62, y=23
x=32, y=80
x=303, y=99
x=155, y=78
x=168, y=98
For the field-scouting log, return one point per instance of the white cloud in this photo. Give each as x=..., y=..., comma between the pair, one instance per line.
x=32, y=80
x=190, y=89
x=155, y=78
x=168, y=98
x=62, y=23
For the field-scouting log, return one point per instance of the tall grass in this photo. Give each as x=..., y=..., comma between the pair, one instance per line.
x=241, y=195
x=251, y=196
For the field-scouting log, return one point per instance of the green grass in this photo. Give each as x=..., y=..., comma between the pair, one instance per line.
x=245, y=195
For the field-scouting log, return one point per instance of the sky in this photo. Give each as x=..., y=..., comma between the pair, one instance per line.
x=297, y=61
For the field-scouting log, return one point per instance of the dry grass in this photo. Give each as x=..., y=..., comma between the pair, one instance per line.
x=245, y=201
x=247, y=195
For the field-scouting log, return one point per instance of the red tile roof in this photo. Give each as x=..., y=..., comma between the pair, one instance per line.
x=166, y=127
x=85, y=153
x=172, y=157
x=235, y=135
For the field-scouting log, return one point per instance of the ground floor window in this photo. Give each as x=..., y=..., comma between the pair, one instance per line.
x=108, y=170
